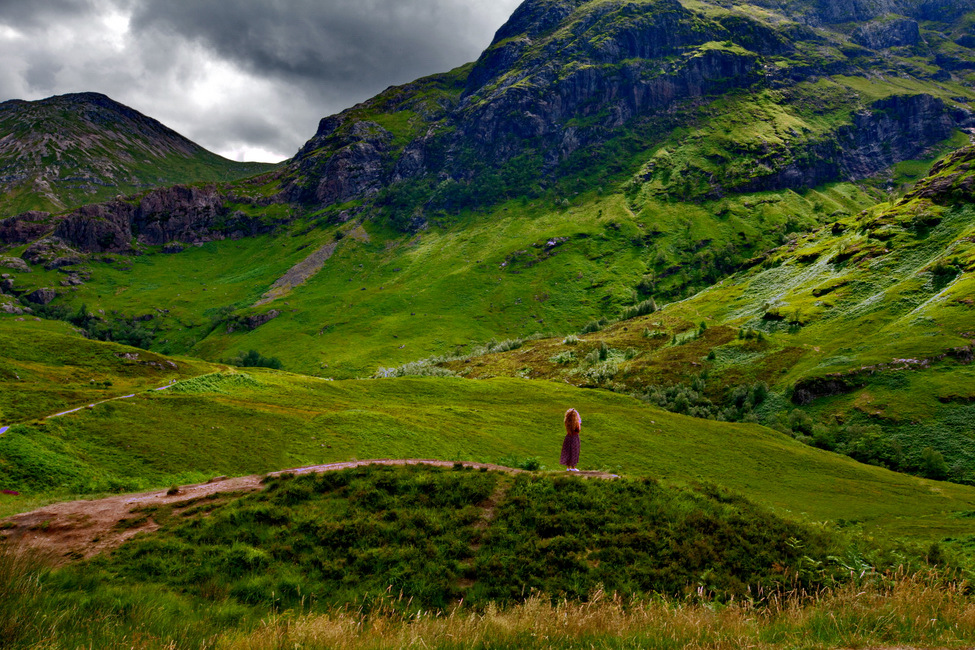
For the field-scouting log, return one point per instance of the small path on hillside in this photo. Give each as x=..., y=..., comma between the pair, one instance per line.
x=92, y=405
x=74, y=530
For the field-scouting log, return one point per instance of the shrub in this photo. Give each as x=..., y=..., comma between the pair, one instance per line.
x=643, y=308
x=254, y=359
x=424, y=368
x=594, y=326
x=566, y=356
x=933, y=464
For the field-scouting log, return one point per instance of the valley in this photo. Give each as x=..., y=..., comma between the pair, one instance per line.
x=738, y=237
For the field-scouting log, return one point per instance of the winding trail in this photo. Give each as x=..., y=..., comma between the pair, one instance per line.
x=74, y=530
x=91, y=405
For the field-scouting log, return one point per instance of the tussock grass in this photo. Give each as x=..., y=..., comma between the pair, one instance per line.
x=896, y=609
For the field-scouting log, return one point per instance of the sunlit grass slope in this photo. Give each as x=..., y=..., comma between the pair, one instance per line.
x=259, y=421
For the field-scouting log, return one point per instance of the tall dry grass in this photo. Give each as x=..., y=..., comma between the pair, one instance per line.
x=917, y=610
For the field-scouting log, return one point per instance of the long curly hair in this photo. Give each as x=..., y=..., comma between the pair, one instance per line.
x=573, y=422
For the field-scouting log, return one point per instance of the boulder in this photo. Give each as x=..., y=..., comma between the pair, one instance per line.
x=15, y=264
x=42, y=296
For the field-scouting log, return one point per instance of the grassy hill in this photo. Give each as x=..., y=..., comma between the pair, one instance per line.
x=416, y=542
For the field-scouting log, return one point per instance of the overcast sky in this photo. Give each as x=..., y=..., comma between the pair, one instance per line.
x=248, y=79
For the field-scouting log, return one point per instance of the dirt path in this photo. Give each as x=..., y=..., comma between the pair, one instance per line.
x=74, y=530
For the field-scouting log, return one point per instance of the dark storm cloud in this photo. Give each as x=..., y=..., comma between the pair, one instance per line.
x=244, y=78
x=359, y=46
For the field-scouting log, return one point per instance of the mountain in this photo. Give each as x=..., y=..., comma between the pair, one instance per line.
x=700, y=99
x=69, y=150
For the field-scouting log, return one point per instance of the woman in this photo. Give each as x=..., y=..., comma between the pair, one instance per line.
x=570, y=446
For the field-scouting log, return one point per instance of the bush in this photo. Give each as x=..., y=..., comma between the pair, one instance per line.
x=594, y=326
x=933, y=464
x=254, y=359
x=424, y=368
x=566, y=356
x=643, y=308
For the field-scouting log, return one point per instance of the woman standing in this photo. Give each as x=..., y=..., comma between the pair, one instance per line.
x=570, y=446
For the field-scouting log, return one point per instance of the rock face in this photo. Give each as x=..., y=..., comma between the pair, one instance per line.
x=880, y=35
x=355, y=169
x=533, y=85
x=899, y=128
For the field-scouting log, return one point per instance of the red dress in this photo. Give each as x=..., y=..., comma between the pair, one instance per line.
x=570, y=450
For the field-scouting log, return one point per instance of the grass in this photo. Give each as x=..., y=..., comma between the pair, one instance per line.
x=422, y=557
x=908, y=610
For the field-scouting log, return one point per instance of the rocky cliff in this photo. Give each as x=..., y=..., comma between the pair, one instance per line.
x=173, y=214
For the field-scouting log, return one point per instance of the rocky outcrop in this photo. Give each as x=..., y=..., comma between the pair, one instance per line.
x=898, y=128
x=251, y=321
x=15, y=264
x=950, y=180
x=24, y=227
x=178, y=213
x=832, y=12
x=99, y=228
x=186, y=214
x=46, y=251
x=42, y=296
x=353, y=168
x=882, y=34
